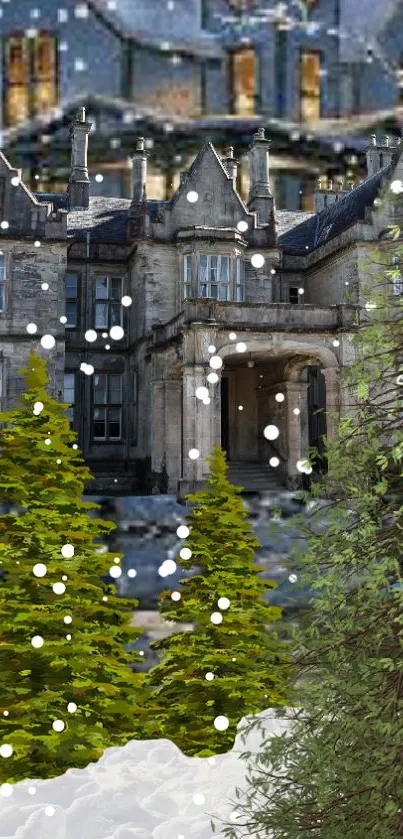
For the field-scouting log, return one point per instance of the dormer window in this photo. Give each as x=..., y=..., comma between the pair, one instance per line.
x=217, y=277
x=214, y=277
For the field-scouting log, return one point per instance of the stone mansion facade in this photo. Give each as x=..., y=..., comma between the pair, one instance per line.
x=202, y=283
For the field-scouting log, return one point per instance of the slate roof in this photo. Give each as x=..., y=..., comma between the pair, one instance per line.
x=330, y=222
x=298, y=232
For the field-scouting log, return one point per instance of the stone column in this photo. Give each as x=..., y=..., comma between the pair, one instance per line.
x=173, y=431
x=333, y=404
x=196, y=430
x=297, y=428
x=157, y=424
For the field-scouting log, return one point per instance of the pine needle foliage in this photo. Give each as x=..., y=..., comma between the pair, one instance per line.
x=338, y=771
x=251, y=666
x=44, y=483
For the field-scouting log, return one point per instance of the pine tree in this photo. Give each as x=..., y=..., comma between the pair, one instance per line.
x=62, y=631
x=221, y=669
x=338, y=772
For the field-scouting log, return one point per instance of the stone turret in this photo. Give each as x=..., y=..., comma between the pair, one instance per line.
x=78, y=189
x=260, y=198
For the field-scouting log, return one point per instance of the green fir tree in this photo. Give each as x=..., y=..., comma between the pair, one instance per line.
x=338, y=772
x=80, y=661
x=218, y=670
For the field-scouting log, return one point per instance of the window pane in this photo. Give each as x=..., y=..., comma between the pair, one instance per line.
x=71, y=314
x=213, y=269
x=203, y=269
x=100, y=391
x=69, y=388
x=188, y=268
x=116, y=288
x=203, y=291
x=115, y=388
x=101, y=315
x=223, y=292
x=71, y=285
x=2, y=296
x=214, y=291
x=102, y=288
x=224, y=269
x=100, y=423
x=114, y=423
x=2, y=268
x=115, y=314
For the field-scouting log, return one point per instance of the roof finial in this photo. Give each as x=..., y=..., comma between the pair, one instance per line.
x=260, y=135
x=81, y=115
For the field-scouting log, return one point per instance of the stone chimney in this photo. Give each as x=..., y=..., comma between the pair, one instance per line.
x=373, y=154
x=78, y=189
x=325, y=195
x=139, y=174
x=230, y=164
x=387, y=151
x=260, y=198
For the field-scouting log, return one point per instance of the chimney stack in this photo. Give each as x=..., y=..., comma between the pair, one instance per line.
x=139, y=174
x=260, y=198
x=78, y=189
x=324, y=197
x=230, y=164
x=387, y=151
x=373, y=154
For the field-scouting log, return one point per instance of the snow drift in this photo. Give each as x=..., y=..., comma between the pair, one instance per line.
x=145, y=790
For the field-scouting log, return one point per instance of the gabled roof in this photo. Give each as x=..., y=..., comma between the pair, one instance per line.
x=335, y=219
x=206, y=150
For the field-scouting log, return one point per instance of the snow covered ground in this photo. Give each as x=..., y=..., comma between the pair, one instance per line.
x=145, y=790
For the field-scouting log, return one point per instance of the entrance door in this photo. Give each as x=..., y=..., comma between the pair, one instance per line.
x=317, y=421
x=224, y=416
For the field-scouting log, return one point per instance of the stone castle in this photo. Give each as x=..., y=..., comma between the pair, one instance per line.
x=201, y=284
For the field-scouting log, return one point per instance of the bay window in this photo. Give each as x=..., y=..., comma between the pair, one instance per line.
x=214, y=277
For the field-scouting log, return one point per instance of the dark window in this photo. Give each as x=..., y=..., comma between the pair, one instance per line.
x=108, y=396
x=293, y=296
x=69, y=394
x=108, y=307
x=71, y=286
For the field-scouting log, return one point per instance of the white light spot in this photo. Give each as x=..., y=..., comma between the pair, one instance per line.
x=242, y=226
x=67, y=619
x=212, y=378
x=221, y=723
x=211, y=349
x=48, y=342
x=67, y=550
x=182, y=532
x=279, y=397
x=49, y=810
x=199, y=798
x=115, y=571
x=72, y=707
x=301, y=291
x=296, y=411
x=240, y=407
x=39, y=570
x=257, y=260
x=90, y=335
x=223, y=603
x=31, y=328
x=132, y=572
x=6, y=750
x=193, y=454
x=232, y=336
x=104, y=334
x=216, y=618
x=31, y=790
x=240, y=347
x=15, y=181
x=176, y=595
x=58, y=460
x=37, y=642
x=38, y=407
x=75, y=446
x=59, y=588
x=293, y=578
x=116, y=333
x=206, y=401
x=303, y=465
x=192, y=196
x=45, y=286
x=63, y=319
x=58, y=725
x=272, y=270
x=274, y=461
x=336, y=342
x=396, y=187
x=185, y=553
x=209, y=677
x=48, y=441
x=6, y=790
x=215, y=362
x=6, y=713
x=37, y=244
x=201, y=393
x=126, y=300
x=271, y=432
x=4, y=225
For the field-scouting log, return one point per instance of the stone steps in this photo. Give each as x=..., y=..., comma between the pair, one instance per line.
x=254, y=477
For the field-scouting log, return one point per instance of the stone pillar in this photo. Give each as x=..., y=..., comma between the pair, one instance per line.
x=157, y=424
x=197, y=427
x=173, y=431
x=333, y=404
x=296, y=394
